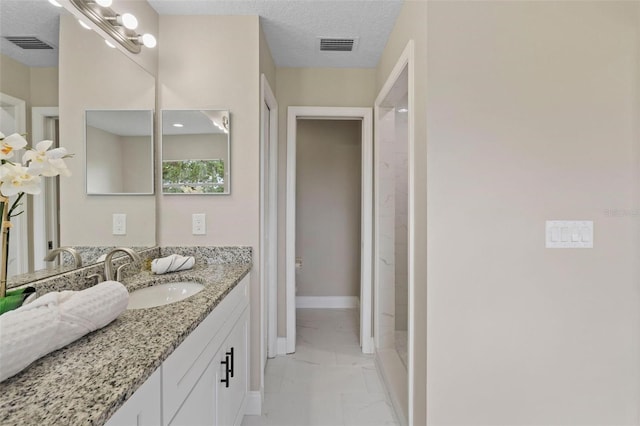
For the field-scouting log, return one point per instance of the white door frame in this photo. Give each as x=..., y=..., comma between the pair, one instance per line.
x=406, y=59
x=41, y=218
x=268, y=225
x=19, y=237
x=331, y=113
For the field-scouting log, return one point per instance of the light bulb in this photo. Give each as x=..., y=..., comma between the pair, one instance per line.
x=108, y=43
x=128, y=21
x=55, y=3
x=149, y=41
x=104, y=3
x=83, y=25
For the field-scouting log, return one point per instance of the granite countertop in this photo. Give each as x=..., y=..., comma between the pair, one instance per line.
x=87, y=381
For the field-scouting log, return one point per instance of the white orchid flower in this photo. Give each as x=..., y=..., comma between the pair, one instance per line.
x=11, y=143
x=46, y=162
x=15, y=178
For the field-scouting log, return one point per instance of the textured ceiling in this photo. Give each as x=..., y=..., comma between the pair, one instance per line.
x=292, y=27
x=30, y=18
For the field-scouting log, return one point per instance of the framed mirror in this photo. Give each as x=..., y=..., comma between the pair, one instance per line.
x=196, y=152
x=119, y=149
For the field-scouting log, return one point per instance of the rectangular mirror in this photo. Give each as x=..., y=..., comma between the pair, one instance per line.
x=195, y=152
x=119, y=148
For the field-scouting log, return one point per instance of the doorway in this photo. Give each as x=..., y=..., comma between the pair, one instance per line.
x=364, y=117
x=13, y=120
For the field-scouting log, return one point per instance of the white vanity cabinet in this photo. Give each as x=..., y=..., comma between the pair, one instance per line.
x=142, y=408
x=205, y=380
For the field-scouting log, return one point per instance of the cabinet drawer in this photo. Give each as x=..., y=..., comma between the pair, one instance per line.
x=183, y=368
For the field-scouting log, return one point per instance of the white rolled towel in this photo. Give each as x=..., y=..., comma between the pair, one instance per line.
x=54, y=320
x=172, y=263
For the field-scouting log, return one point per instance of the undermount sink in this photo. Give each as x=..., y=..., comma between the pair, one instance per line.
x=163, y=294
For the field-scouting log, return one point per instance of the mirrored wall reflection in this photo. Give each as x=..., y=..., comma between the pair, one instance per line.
x=119, y=147
x=195, y=152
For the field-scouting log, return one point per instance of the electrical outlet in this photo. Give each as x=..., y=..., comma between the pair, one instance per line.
x=198, y=224
x=119, y=224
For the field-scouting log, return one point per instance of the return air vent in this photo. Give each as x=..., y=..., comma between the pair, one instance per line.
x=328, y=44
x=28, y=42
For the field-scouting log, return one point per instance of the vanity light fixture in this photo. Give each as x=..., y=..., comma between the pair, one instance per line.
x=178, y=125
x=121, y=27
x=126, y=20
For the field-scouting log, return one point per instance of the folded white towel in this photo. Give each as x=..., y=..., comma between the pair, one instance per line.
x=172, y=263
x=55, y=320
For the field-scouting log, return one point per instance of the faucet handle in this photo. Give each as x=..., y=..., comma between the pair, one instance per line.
x=119, y=271
x=94, y=279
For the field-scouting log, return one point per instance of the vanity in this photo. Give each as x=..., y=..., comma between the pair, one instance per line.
x=184, y=363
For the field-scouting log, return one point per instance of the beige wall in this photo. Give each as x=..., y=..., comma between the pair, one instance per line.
x=410, y=25
x=137, y=164
x=95, y=77
x=104, y=162
x=199, y=78
x=14, y=78
x=38, y=87
x=44, y=86
x=338, y=87
x=532, y=115
x=328, y=170
x=267, y=66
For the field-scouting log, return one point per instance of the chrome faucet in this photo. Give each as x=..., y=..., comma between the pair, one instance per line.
x=108, y=265
x=77, y=260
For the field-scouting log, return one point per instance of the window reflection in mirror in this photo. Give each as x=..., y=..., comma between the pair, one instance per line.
x=119, y=146
x=195, y=152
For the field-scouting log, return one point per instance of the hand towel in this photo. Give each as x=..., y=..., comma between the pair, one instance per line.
x=172, y=263
x=15, y=298
x=54, y=320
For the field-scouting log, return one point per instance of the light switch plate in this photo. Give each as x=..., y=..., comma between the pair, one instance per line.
x=119, y=224
x=198, y=224
x=569, y=234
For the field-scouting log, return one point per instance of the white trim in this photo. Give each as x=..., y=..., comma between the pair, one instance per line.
x=406, y=59
x=268, y=218
x=327, y=302
x=329, y=113
x=253, y=403
x=40, y=215
x=281, y=346
x=19, y=234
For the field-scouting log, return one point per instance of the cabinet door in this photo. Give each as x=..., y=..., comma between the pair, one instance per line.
x=143, y=407
x=199, y=408
x=235, y=351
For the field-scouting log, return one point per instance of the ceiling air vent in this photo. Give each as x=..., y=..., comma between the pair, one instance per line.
x=328, y=44
x=28, y=42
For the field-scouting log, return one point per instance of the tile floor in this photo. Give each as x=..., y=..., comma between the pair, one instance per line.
x=328, y=381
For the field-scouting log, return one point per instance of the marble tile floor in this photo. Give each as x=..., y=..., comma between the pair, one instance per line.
x=328, y=381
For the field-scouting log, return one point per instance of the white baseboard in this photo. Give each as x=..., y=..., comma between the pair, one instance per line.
x=281, y=346
x=253, y=405
x=327, y=302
